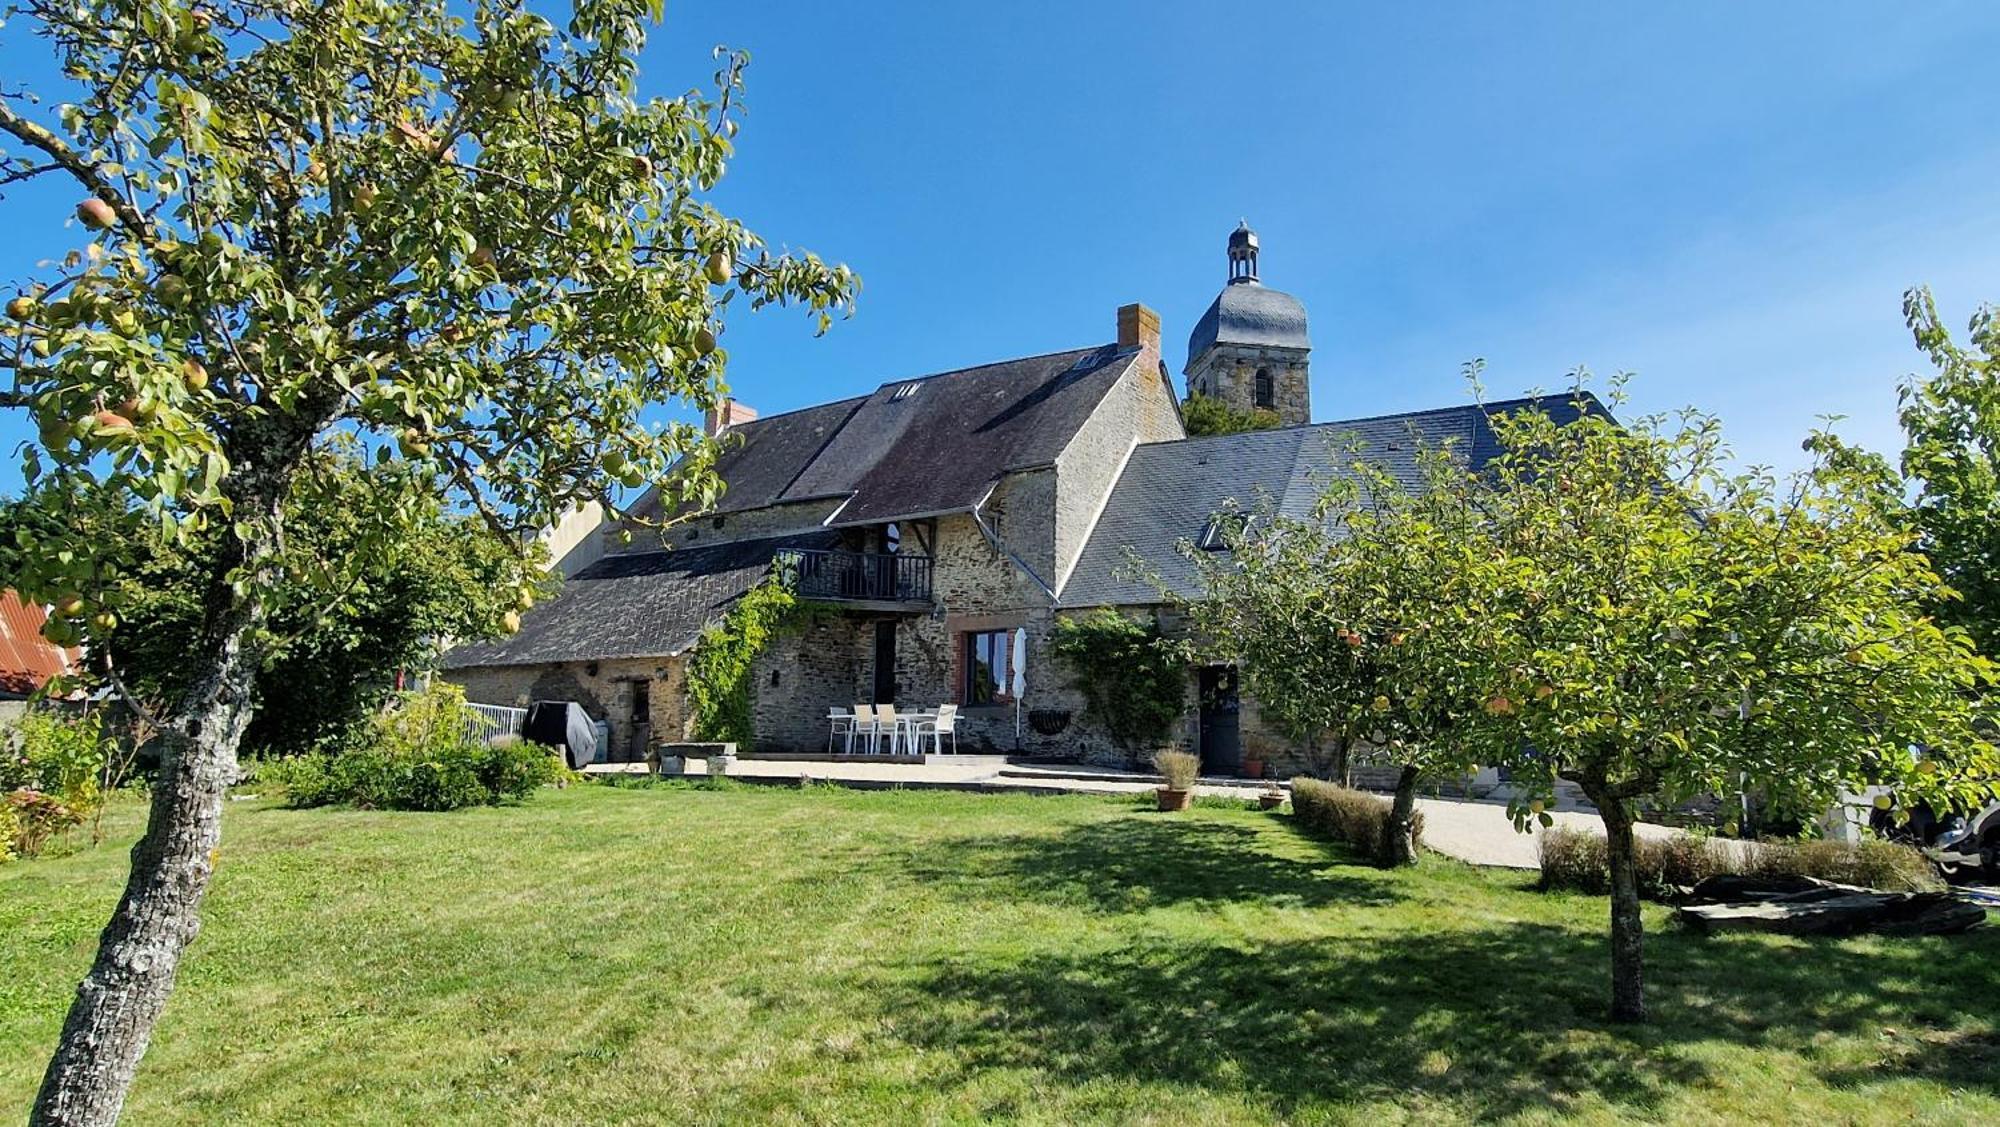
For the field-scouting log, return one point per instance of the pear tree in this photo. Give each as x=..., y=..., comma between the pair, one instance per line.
x=455, y=233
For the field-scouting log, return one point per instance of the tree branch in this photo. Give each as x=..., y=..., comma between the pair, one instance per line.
x=86, y=173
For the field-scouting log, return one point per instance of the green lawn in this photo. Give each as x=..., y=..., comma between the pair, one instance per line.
x=671, y=953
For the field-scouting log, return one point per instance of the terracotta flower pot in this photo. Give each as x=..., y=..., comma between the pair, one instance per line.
x=1270, y=801
x=1253, y=768
x=1174, y=799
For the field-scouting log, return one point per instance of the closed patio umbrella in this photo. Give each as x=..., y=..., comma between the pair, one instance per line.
x=1020, y=685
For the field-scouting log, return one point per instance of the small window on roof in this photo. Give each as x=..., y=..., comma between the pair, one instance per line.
x=1215, y=534
x=904, y=392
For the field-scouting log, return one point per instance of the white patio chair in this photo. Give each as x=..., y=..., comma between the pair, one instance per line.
x=937, y=728
x=839, y=722
x=863, y=728
x=886, y=724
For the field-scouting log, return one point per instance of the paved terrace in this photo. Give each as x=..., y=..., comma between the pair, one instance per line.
x=1476, y=832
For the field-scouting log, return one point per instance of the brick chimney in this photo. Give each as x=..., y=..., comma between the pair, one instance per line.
x=1138, y=327
x=729, y=412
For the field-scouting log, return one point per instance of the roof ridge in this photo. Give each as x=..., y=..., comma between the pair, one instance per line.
x=747, y=423
x=1484, y=406
x=989, y=364
x=857, y=400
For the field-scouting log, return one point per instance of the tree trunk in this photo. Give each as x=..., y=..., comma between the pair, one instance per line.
x=1343, y=760
x=1628, y=993
x=139, y=953
x=1399, y=834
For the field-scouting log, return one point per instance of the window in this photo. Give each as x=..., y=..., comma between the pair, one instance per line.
x=989, y=674
x=1220, y=527
x=904, y=392
x=892, y=538
x=1267, y=392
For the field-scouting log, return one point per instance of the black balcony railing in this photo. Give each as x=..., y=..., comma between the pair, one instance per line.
x=861, y=576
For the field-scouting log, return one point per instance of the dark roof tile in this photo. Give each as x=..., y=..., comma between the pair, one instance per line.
x=1169, y=490
x=635, y=604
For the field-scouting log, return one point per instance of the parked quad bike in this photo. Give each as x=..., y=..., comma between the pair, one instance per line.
x=1962, y=847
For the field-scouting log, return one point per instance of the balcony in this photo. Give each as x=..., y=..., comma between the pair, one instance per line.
x=878, y=580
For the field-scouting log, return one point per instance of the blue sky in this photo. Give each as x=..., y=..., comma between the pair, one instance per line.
x=1726, y=199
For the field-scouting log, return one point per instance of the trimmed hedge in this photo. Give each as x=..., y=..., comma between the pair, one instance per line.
x=1354, y=818
x=1576, y=861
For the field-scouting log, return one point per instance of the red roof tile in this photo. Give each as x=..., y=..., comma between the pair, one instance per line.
x=26, y=658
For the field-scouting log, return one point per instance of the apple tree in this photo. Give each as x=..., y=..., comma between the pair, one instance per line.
x=455, y=232
x=1660, y=625
x=1952, y=422
x=1356, y=620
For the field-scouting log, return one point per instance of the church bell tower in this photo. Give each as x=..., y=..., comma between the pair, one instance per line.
x=1250, y=349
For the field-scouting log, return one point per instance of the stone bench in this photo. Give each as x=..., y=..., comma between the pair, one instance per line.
x=671, y=758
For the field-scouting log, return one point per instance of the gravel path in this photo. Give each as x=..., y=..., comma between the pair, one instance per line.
x=1481, y=833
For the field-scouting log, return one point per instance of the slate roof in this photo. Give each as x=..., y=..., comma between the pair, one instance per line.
x=920, y=446
x=635, y=604
x=1169, y=490
x=1249, y=312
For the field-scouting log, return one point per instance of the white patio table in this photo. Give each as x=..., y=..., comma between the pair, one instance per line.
x=906, y=728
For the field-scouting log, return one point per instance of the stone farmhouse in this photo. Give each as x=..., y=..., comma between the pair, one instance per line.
x=947, y=521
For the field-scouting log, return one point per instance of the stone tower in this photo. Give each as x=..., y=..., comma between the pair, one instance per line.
x=1249, y=350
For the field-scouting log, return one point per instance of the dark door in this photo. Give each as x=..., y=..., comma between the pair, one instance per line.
x=642, y=721
x=1221, y=741
x=885, y=662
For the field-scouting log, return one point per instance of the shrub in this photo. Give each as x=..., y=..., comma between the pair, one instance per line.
x=53, y=775
x=1178, y=768
x=58, y=755
x=1887, y=865
x=423, y=757
x=1207, y=414
x=1575, y=860
x=33, y=819
x=1355, y=818
x=1134, y=680
x=1578, y=860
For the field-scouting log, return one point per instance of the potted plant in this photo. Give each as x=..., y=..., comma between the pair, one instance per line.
x=1253, y=765
x=1271, y=797
x=1179, y=770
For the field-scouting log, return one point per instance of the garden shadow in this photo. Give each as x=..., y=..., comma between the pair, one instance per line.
x=1498, y=1021
x=1134, y=863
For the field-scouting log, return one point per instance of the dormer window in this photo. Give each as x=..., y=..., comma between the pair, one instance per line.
x=1216, y=533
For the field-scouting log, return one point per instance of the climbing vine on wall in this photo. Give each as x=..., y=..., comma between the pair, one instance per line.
x=718, y=677
x=1133, y=680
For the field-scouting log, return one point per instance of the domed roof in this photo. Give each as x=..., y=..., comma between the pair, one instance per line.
x=1248, y=312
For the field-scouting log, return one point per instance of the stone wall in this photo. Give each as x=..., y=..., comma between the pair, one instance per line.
x=1229, y=372
x=604, y=688
x=827, y=662
x=1140, y=407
